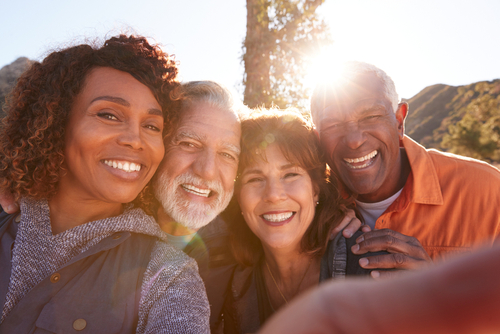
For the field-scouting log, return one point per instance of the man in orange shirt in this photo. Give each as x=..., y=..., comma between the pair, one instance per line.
x=424, y=204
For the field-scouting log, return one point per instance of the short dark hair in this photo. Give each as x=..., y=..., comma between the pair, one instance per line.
x=32, y=137
x=299, y=144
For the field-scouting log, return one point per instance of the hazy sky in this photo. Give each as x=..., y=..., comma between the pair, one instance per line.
x=419, y=43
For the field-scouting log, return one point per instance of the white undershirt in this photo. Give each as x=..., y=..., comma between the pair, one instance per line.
x=371, y=211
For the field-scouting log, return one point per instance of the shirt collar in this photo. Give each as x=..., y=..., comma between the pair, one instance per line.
x=426, y=187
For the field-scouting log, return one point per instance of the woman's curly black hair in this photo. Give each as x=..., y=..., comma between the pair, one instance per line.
x=32, y=135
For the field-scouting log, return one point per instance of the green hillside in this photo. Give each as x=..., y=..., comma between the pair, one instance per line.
x=463, y=120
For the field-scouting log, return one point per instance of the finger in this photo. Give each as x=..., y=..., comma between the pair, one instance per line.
x=384, y=274
x=387, y=232
x=365, y=228
x=391, y=261
x=8, y=203
x=354, y=225
x=350, y=215
x=392, y=245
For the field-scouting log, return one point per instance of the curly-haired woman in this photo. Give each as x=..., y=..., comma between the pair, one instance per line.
x=82, y=138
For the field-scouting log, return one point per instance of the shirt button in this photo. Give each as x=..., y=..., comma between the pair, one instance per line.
x=116, y=237
x=18, y=218
x=55, y=278
x=79, y=324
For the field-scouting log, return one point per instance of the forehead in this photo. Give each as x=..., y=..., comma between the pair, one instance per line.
x=363, y=90
x=206, y=121
x=113, y=85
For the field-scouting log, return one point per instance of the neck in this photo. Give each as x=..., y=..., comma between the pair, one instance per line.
x=398, y=178
x=67, y=212
x=168, y=225
x=289, y=273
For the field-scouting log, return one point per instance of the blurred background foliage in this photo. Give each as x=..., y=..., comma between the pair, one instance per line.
x=282, y=36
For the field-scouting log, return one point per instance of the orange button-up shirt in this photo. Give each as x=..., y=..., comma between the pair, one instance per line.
x=450, y=203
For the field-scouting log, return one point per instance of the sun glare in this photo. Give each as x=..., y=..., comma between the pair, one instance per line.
x=324, y=67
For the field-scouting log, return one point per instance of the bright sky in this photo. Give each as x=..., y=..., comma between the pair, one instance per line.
x=419, y=43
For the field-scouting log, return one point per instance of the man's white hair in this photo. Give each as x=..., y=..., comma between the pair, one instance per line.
x=350, y=71
x=210, y=92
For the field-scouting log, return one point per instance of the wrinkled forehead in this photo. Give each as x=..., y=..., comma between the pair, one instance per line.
x=212, y=123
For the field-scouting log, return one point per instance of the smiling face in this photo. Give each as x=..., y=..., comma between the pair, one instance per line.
x=277, y=199
x=195, y=181
x=113, y=138
x=360, y=134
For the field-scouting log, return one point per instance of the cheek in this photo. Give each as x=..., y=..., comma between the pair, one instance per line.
x=157, y=152
x=328, y=143
x=228, y=176
x=174, y=163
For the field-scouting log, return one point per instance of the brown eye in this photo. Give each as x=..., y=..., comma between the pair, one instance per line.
x=107, y=115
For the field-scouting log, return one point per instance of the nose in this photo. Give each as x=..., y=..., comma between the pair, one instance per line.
x=131, y=137
x=354, y=137
x=205, y=165
x=274, y=191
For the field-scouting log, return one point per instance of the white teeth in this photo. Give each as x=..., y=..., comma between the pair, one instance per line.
x=278, y=217
x=366, y=157
x=126, y=166
x=195, y=190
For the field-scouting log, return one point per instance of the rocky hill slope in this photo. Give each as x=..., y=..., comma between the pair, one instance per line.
x=8, y=77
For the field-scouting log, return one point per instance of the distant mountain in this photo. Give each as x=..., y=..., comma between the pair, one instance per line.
x=8, y=77
x=437, y=107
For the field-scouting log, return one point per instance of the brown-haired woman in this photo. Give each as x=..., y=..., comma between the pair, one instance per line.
x=82, y=138
x=283, y=212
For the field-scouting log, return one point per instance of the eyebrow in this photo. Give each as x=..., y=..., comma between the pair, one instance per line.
x=258, y=171
x=191, y=135
x=125, y=103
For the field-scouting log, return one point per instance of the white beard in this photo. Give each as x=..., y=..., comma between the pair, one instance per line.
x=192, y=215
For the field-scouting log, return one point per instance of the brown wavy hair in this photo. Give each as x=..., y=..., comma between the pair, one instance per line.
x=32, y=135
x=299, y=144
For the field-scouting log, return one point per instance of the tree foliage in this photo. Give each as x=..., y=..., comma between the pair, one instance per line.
x=281, y=37
x=477, y=134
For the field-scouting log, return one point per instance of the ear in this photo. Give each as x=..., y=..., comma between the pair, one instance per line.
x=316, y=132
x=316, y=193
x=401, y=114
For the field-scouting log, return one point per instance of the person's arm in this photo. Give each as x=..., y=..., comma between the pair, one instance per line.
x=174, y=299
x=461, y=296
x=405, y=252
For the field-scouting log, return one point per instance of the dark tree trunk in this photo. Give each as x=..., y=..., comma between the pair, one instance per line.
x=256, y=57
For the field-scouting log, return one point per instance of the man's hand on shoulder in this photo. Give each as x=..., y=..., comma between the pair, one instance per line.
x=8, y=203
x=349, y=225
x=405, y=252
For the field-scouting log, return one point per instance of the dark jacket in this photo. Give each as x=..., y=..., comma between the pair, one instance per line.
x=211, y=250
x=96, y=292
x=247, y=306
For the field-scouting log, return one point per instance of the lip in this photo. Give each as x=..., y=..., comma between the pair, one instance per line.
x=278, y=223
x=194, y=196
x=125, y=175
x=199, y=191
x=361, y=163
